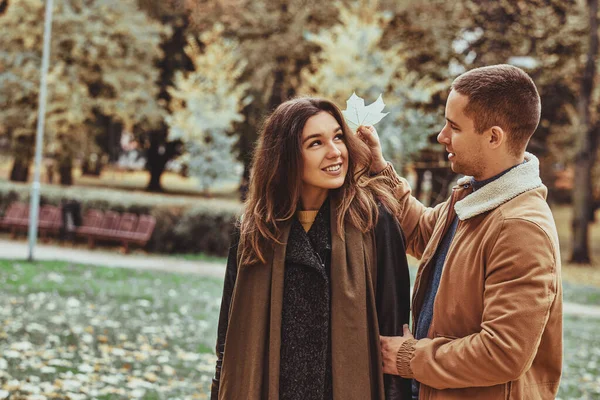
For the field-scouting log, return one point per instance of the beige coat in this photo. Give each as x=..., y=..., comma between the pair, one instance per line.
x=496, y=331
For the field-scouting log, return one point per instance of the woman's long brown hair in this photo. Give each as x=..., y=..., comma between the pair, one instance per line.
x=275, y=184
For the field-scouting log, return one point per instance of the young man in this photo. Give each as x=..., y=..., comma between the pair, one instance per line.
x=487, y=302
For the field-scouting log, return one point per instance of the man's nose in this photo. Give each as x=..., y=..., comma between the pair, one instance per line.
x=443, y=137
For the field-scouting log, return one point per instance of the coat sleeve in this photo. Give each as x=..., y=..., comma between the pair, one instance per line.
x=520, y=287
x=416, y=220
x=228, y=285
x=393, y=292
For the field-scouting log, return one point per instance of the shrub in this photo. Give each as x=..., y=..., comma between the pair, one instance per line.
x=183, y=224
x=196, y=222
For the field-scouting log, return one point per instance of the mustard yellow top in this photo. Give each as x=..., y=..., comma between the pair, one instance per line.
x=307, y=218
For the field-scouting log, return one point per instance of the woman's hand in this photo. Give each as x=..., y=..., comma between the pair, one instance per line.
x=369, y=136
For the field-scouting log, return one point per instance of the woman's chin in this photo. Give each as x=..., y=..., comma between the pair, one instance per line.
x=330, y=185
x=336, y=183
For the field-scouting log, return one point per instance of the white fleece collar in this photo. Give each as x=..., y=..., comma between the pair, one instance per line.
x=518, y=180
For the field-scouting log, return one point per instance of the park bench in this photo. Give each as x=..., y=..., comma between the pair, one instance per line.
x=92, y=221
x=14, y=215
x=111, y=226
x=126, y=228
x=16, y=218
x=50, y=221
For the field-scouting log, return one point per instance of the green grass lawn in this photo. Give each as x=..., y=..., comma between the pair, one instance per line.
x=79, y=332
x=90, y=332
x=581, y=372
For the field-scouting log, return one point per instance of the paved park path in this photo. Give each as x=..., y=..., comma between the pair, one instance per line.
x=15, y=250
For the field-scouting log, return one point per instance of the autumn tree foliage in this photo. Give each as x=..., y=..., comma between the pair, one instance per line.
x=123, y=63
x=206, y=102
x=353, y=58
x=103, y=62
x=555, y=41
x=271, y=36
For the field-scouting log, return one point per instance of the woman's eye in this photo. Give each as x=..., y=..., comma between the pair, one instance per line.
x=339, y=136
x=315, y=143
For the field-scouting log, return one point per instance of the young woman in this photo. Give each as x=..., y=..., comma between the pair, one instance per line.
x=317, y=271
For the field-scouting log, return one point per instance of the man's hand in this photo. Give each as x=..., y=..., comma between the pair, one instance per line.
x=368, y=134
x=389, y=350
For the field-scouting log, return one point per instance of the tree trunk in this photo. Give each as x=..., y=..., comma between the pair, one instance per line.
x=65, y=170
x=248, y=133
x=278, y=92
x=253, y=114
x=420, y=172
x=174, y=59
x=20, y=170
x=3, y=6
x=22, y=152
x=586, y=154
x=156, y=171
x=158, y=154
x=114, y=138
x=155, y=163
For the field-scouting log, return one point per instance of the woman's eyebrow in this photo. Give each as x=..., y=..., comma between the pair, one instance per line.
x=314, y=135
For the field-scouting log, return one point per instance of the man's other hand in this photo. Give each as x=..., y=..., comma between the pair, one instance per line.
x=389, y=350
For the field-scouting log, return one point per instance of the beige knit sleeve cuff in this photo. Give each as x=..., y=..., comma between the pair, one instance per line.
x=390, y=173
x=405, y=354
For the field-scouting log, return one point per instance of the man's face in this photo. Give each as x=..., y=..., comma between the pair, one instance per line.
x=464, y=145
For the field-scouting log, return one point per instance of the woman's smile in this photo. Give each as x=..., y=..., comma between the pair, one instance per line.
x=334, y=169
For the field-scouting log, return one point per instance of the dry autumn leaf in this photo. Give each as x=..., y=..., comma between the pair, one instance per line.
x=357, y=114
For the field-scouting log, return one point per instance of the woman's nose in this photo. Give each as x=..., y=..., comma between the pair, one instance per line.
x=334, y=151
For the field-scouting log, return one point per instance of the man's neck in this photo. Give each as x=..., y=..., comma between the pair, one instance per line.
x=477, y=184
x=499, y=166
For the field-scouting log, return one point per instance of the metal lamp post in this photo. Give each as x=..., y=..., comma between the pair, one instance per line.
x=39, y=137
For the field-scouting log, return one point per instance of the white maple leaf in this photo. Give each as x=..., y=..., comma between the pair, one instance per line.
x=357, y=114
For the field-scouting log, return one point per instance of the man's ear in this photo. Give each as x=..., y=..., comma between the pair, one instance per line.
x=497, y=137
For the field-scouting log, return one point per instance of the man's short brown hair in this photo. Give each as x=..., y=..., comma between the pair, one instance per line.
x=504, y=96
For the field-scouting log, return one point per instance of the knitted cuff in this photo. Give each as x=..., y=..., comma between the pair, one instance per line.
x=390, y=173
x=387, y=166
x=405, y=354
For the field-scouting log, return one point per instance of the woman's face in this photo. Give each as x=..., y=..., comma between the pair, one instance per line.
x=324, y=154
